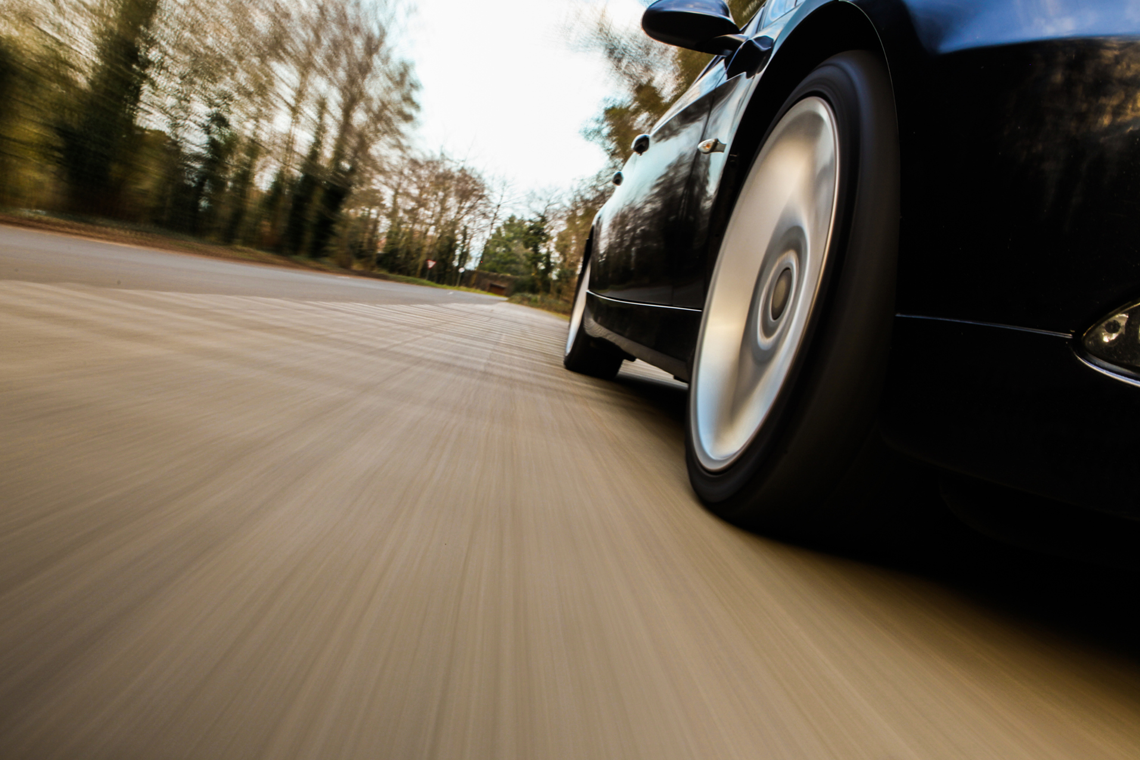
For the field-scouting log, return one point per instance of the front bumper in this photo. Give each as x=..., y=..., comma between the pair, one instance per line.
x=1016, y=408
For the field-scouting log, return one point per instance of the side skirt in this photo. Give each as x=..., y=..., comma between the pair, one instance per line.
x=663, y=336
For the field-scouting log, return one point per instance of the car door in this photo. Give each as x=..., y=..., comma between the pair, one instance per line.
x=644, y=222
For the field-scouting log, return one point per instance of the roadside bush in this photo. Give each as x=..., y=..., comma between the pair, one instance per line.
x=544, y=302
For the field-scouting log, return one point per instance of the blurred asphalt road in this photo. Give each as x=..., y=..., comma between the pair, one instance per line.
x=258, y=513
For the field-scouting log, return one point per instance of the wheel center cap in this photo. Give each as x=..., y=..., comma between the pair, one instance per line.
x=780, y=292
x=775, y=300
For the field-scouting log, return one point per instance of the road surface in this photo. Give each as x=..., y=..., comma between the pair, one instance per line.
x=259, y=513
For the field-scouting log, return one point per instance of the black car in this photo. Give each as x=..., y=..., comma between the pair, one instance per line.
x=875, y=227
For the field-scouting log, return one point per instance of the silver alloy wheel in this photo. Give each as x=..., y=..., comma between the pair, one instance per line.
x=579, y=307
x=765, y=283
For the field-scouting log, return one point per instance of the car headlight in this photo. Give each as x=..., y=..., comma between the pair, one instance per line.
x=1115, y=339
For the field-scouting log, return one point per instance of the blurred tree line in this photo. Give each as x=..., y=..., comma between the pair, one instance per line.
x=274, y=124
x=282, y=125
x=241, y=121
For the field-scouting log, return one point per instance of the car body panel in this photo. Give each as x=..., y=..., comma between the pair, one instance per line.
x=1021, y=167
x=1050, y=123
x=634, y=246
x=662, y=336
x=1013, y=407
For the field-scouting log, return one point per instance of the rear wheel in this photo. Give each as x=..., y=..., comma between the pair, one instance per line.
x=583, y=353
x=795, y=332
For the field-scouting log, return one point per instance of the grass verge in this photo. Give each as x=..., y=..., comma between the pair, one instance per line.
x=544, y=302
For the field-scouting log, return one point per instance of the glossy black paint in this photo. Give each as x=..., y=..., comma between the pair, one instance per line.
x=1021, y=160
x=1013, y=407
x=750, y=58
x=692, y=24
x=1019, y=126
x=646, y=219
x=691, y=264
x=1022, y=167
x=634, y=328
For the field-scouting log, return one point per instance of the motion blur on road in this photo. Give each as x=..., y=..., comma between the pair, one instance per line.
x=255, y=512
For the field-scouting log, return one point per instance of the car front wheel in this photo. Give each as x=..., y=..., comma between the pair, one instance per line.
x=796, y=327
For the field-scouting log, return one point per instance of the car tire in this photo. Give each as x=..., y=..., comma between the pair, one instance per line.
x=584, y=354
x=795, y=334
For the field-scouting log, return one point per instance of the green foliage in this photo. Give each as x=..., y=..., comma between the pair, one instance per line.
x=188, y=114
x=211, y=185
x=437, y=208
x=9, y=83
x=544, y=302
x=96, y=136
x=9, y=70
x=519, y=247
x=242, y=189
x=306, y=195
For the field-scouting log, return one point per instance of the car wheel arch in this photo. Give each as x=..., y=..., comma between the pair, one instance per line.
x=830, y=29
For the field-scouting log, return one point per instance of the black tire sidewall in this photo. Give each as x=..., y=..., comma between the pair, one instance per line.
x=822, y=415
x=587, y=355
x=580, y=334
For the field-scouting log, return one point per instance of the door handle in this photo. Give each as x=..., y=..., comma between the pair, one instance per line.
x=640, y=144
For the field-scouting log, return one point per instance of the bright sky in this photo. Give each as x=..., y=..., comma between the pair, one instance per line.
x=504, y=91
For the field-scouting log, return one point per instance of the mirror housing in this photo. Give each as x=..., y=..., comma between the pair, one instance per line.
x=751, y=57
x=703, y=25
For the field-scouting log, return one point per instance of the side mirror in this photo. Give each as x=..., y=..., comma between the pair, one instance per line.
x=704, y=25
